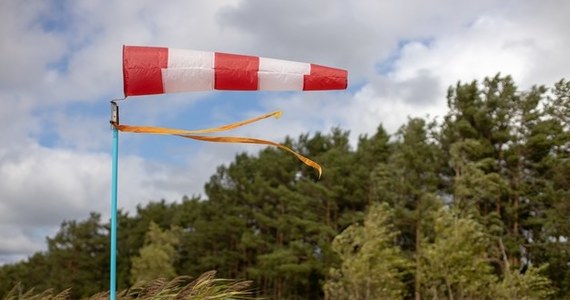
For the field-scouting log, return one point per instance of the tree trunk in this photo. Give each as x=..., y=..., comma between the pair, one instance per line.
x=418, y=252
x=328, y=212
x=278, y=288
x=368, y=287
x=517, y=196
x=450, y=291
x=335, y=227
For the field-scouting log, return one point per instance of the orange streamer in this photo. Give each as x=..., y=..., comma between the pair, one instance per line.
x=192, y=134
x=161, y=130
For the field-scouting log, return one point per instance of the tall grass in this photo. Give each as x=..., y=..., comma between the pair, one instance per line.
x=183, y=287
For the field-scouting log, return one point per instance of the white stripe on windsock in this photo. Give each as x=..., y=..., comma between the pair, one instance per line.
x=188, y=71
x=281, y=75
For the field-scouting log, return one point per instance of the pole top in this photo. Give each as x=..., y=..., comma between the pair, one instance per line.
x=114, y=113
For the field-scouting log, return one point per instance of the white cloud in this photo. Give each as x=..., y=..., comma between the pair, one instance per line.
x=41, y=187
x=21, y=242
x=56, y=163
x=25, y=47
x=354, y=35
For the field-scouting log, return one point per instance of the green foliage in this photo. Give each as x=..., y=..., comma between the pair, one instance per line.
x=77, y=247
x=454, y=262
x=372, y=266
x=530, y=286
x=509, y=166
x=499, y=161
x=157, y=256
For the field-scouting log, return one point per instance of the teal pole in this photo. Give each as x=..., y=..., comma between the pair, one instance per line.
x=114, y=120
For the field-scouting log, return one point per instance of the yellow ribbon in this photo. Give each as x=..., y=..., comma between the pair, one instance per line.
x=194, y=134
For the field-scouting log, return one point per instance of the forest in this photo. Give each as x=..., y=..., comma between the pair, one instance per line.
x=474, y=204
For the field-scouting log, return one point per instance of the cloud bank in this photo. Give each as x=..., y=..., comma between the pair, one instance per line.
x=61, y=64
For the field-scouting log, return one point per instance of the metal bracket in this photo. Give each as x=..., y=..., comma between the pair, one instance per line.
x=114, y=113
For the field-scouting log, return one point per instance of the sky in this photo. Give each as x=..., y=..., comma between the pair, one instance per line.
x=60, y=65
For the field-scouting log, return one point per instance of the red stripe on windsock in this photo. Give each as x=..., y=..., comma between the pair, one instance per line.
x=146, y=71
x=235, y=72
x=325, y=78
x=142, y=67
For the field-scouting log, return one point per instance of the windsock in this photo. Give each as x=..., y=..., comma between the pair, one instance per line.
x=158, y=70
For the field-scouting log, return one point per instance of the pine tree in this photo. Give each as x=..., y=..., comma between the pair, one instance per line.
x=156, y=257
x=454, y=261
x=532, y=285
x=408, y=181
x=553, y=246
x=78, y=257
x=480, y=136
x=372, y=265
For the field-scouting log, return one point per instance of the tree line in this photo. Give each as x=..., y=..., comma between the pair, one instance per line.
x=474, y=205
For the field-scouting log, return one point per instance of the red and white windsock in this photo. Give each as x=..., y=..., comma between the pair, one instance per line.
x=157, y=70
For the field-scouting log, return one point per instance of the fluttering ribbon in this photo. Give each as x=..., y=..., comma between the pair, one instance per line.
x=198, y=135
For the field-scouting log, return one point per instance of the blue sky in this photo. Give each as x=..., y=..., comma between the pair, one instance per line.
x=61, y=64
